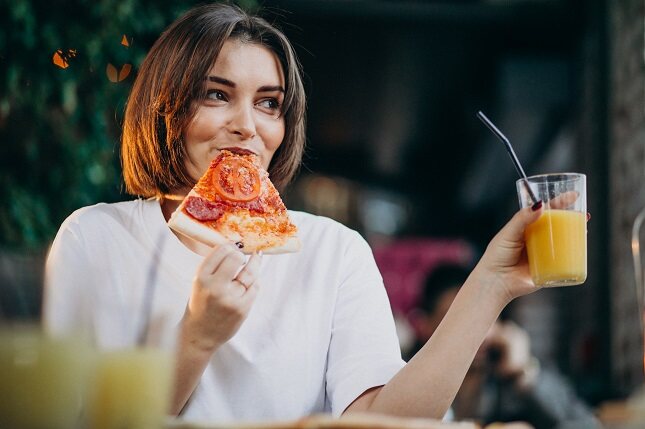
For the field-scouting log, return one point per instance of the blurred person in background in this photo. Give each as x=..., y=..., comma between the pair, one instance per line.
x=505, y=381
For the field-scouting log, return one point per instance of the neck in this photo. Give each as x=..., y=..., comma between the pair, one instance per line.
x=169, y=204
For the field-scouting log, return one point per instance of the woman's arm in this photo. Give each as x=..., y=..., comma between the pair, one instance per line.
x=220, y=301
x=427, y=385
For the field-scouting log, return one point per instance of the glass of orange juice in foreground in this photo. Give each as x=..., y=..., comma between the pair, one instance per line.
x=556, y=243
x=131, y=389
x=132, y=381
x=43, y=379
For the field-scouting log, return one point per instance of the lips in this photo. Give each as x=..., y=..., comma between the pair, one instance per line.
x=239, y=150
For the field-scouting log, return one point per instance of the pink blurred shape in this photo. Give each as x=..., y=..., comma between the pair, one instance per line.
x=406, y=263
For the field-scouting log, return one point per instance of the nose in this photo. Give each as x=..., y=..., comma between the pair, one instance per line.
x=242, y=122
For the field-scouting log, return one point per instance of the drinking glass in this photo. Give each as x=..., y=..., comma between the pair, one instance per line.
x=43, y=378
x=132, y=383
x=556, y=243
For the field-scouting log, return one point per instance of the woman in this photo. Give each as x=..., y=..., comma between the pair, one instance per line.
x=289, y=335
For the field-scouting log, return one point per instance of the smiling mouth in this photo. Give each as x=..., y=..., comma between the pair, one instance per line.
x=239, y=150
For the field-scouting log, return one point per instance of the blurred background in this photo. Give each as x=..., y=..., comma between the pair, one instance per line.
x=394, y=148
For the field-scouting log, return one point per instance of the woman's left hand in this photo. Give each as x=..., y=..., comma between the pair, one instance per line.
x=505, y=262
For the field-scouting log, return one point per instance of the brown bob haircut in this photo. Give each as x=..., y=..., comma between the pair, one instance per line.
x=171, y=79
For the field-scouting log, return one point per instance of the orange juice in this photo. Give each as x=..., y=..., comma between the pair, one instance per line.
x=131, y=389
x=557, y=248
x=42, y=379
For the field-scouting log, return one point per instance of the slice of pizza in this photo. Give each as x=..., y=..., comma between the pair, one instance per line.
x=235, y=202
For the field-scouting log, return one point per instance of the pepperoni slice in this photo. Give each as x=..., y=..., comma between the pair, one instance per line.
x=236, y=179
x=202, y=209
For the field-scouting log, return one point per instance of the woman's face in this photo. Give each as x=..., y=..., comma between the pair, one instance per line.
x=242, y=108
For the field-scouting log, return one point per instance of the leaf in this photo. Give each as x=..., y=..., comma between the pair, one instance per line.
x=125, y=71
x=59, y=60
x=112, y=74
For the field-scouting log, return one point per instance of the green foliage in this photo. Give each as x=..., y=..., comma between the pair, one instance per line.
x=60, y=127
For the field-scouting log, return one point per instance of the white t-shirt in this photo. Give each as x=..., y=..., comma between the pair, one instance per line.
x=319, y=334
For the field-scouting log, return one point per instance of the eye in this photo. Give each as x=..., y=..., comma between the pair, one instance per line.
x=270, y=106
x=216, y=95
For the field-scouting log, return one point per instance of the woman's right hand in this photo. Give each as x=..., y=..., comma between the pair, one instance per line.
x=223, y=292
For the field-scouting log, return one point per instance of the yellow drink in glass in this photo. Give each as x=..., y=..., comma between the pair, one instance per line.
x=42, y=379
x=131, y=389
x=557, y=248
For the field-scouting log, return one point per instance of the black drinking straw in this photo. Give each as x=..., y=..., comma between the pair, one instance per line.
x=511, y=152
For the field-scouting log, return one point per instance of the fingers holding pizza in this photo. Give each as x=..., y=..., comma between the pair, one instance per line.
x=247, y=277
x=223, y=292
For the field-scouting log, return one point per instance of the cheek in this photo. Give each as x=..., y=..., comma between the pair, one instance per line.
x=196, y=140
x=275, y=137
x=272, y=138
x=202, y=127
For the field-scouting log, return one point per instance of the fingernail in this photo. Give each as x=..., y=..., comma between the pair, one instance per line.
x=588, y=216
x=537, y=206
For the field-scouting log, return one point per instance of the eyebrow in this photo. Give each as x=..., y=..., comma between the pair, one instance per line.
x=230, y=84
x=221, y=80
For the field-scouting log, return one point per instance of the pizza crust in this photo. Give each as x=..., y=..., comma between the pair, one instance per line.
x=184, y=224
